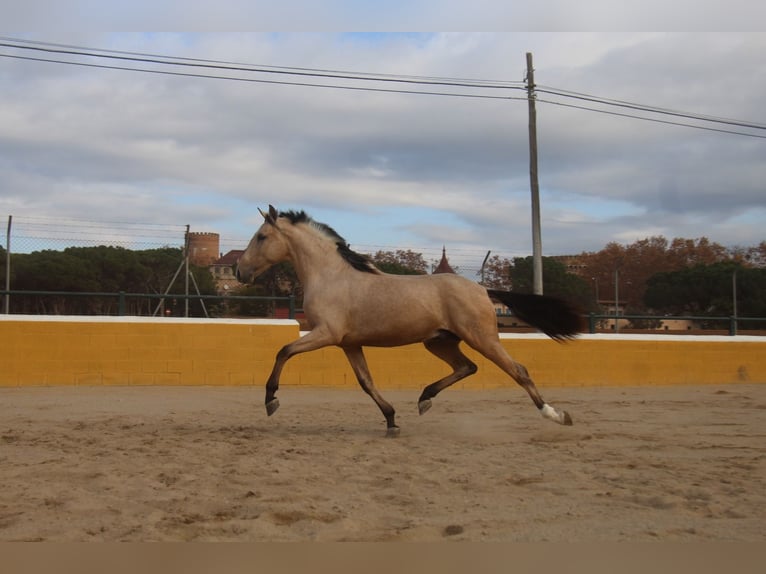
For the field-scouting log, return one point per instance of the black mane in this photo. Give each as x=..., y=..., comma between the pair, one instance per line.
x=358, y=261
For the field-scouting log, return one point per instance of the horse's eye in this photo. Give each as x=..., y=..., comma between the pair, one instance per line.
x=261, y=237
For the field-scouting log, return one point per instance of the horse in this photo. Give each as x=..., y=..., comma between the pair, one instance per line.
x=350, y=303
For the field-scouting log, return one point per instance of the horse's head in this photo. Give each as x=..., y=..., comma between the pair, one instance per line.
x=267, y=247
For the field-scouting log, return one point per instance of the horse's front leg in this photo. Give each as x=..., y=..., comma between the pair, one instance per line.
x=355, y=356
x=315, y=339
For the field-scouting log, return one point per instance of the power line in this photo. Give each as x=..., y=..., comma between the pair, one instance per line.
x=305, y=72
x=655, y=120
x=642, y=107
x=329, y=74
x=262, y=81
x=499, y=83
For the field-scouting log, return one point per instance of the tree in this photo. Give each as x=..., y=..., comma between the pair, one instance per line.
x=708, y=290
x=557, y=281
x=400, y=262
x=3, y=258
x=497, y=273
x=754, y=256
x=280, y=280
x=104, y=269
x=632, y=265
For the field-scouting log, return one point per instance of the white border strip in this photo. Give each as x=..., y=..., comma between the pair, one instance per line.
x=647, y=337
x=132, y=319
x=127, y=319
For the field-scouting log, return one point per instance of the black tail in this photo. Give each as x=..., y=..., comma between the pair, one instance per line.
x=555, y=317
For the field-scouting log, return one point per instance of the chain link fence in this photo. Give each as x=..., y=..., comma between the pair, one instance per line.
x=26, y=234
x=91, y=264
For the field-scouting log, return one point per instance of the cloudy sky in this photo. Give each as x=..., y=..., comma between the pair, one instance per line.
x=393, y=170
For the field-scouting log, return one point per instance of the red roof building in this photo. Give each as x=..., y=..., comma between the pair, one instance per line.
x=443, y=266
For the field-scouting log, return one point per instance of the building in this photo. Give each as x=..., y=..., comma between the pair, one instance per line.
x=203, y=248
x=223, y=271
x=443, y=266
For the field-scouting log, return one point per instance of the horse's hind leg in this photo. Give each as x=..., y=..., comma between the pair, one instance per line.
x=494, y=351
x=446, y=346
x=355, y=356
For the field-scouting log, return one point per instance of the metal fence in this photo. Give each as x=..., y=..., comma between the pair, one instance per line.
x=121, y=298
x=706, y=323
x=30, y=234
x=286, y=307
x=27, y=234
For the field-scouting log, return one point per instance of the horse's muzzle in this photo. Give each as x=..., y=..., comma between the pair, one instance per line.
x=244, y=276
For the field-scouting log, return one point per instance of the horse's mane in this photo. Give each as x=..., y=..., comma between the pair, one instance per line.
x=358, y=261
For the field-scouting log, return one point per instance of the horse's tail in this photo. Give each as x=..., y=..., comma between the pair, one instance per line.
x=555, y=317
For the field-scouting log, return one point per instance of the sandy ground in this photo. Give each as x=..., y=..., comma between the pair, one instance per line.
x=190, y=463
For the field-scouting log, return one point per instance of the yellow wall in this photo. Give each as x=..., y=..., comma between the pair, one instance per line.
x=141, y=351
x=131, y=351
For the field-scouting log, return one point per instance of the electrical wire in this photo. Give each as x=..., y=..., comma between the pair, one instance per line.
x=304, y=72
x=655, y=120
x=231, y=63
x=262, y=81
x=641, y=107
x=458, y=83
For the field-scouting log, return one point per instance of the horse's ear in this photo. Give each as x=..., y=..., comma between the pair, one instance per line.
x=271, y=216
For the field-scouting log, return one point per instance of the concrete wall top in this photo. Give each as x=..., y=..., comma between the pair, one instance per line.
x=503, y=336
x=132, y=319
x=647, y=337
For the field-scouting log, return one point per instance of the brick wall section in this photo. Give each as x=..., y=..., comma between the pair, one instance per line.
x=129, y=351
x=38, y=351
x=592, y=360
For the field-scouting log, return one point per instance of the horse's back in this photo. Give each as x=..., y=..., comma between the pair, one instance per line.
x=452, y=301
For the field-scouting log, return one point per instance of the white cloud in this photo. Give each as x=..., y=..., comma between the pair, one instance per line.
x=99, y=143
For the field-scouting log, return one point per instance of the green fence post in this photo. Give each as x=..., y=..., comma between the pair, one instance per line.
x=121, y=304
x=732, y=326
x=592, y=323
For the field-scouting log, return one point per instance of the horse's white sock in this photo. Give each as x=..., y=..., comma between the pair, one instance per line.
x=549, y=412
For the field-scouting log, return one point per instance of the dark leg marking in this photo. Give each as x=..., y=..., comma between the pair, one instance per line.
x=446, y=346
x=355, y=356
x=315, y=339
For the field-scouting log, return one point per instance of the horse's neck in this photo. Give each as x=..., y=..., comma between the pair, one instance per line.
x=314, y=259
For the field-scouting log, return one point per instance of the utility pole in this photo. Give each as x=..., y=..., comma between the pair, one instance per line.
x=8, y=266
x=617, y=300
x=734, y=302
x=186, y=264
x=537, y=242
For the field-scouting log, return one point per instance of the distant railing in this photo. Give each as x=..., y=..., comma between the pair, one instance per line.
x=122, y=298
x=731, y=323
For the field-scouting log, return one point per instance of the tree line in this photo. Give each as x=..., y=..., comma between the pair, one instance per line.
x=654, y=276
x=101, y=269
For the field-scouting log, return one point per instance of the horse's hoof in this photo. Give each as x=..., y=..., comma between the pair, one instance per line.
x=392, y=432
x=272, y=406
x=561, y=417
x=423, y=406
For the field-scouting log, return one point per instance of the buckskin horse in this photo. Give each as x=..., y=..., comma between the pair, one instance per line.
x=350, y=303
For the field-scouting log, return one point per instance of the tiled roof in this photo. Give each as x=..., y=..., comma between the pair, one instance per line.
x=444, y=266
x=230, y=258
